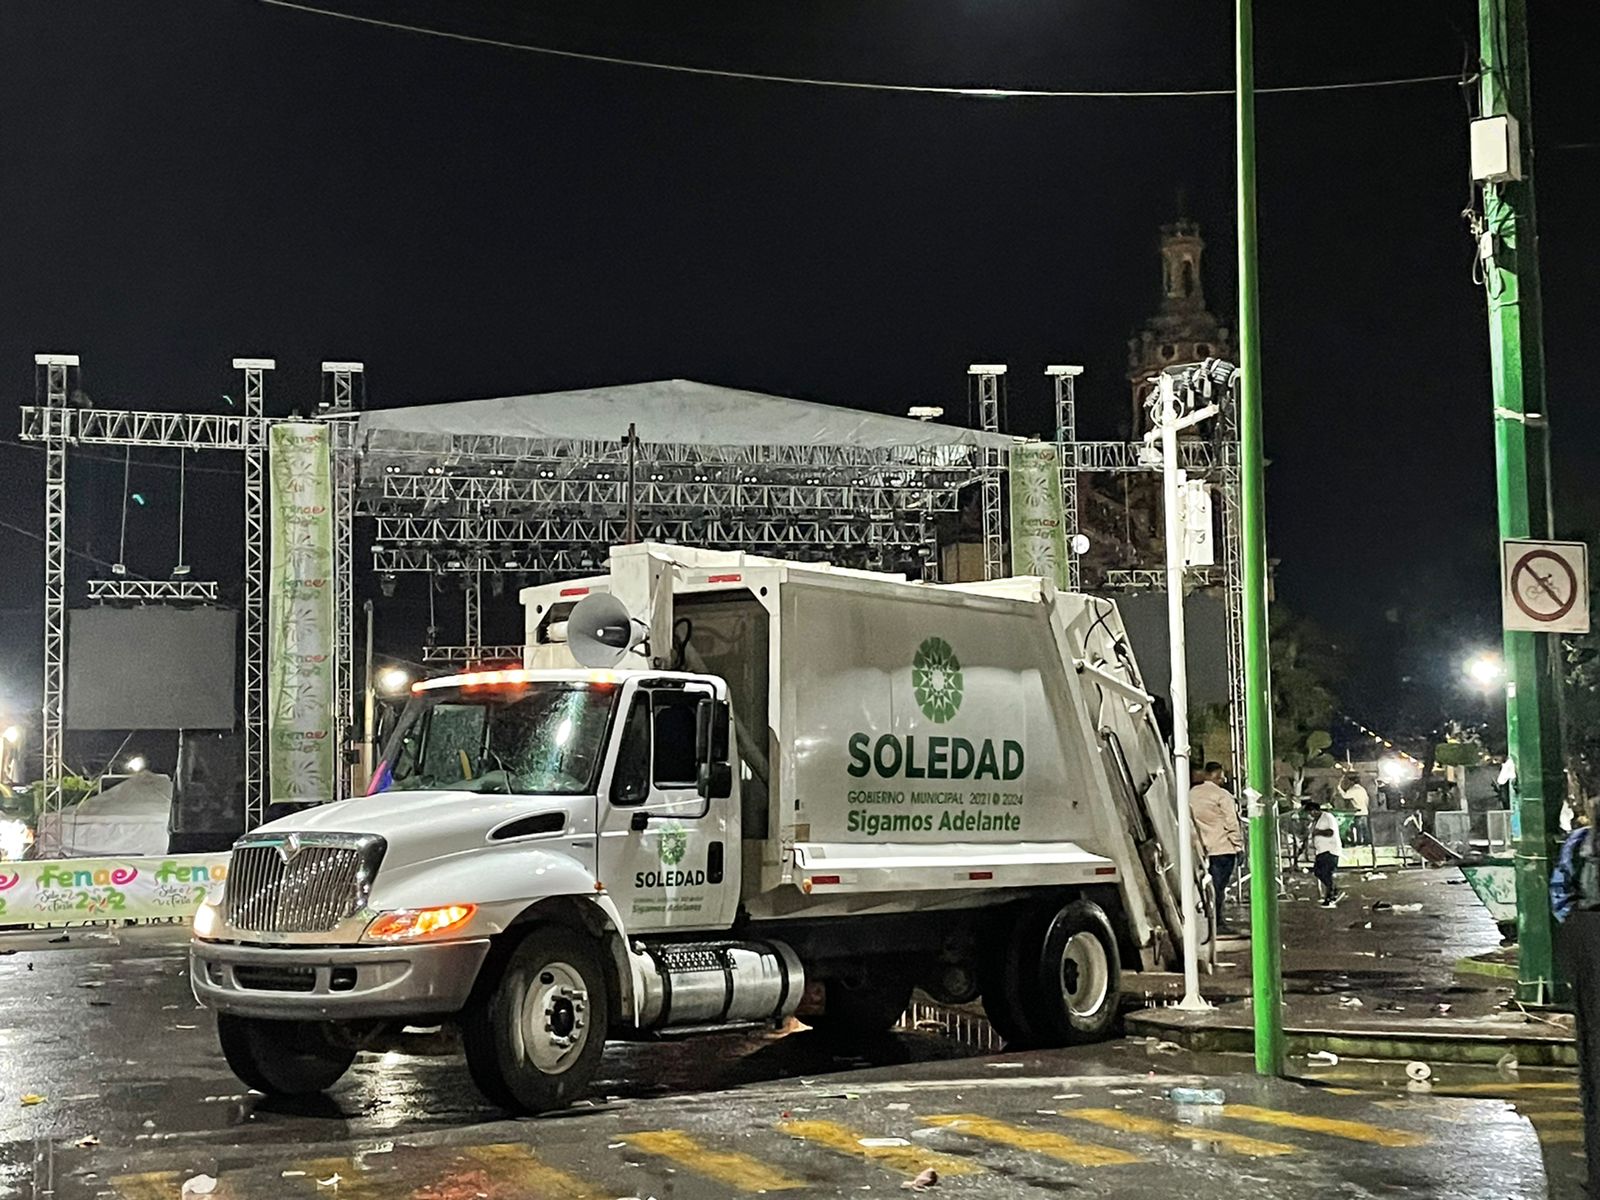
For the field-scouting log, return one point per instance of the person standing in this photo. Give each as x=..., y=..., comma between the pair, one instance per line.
x=1575, y=901
x=1216, y=820
x=1355, y=796
x=1326, y=846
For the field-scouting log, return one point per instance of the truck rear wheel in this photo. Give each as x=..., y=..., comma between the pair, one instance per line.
x=1078, y=978
x=1054, y=980
x=534, y=1040
x=283, y=1058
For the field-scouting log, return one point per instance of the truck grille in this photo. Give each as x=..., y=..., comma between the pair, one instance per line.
x=299, y=883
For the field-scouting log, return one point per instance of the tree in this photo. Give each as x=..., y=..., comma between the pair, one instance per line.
x=1304, y=667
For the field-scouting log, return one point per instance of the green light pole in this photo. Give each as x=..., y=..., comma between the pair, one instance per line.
x=1510, y=256
x=1266, y=977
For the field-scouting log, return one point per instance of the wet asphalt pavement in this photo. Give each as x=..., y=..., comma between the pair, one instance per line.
x=105, y=1031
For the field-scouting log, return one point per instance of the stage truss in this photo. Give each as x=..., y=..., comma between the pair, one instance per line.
x=468, y=508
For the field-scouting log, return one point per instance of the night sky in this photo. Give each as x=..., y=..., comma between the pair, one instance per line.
x=183, y=181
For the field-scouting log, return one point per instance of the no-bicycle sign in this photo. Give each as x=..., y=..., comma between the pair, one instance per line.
x=1544, y=586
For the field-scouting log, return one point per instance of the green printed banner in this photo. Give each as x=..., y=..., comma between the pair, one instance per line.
x=56, y=891
x=1038, y=522
x=301, y=624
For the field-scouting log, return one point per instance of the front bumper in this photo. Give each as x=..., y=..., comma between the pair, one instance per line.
x=335, y=982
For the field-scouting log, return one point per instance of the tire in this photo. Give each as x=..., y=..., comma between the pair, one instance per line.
x=1007, y=977
x=865, y=1009
x=283, y=1058
x=1078, y=977
x=534, y=1038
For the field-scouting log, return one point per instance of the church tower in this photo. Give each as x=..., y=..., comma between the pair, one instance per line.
x=1183, y=329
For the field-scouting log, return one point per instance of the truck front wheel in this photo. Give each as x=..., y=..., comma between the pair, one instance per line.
x=284, y=1058
x=534, y=1039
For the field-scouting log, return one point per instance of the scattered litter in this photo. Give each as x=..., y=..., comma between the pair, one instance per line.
x=81, y=1098
x=99, y=1004
x=199, y=1185
x=1406, y=907
x=1166, y=1048
x=881, y=1143
x=1004, y=1066
x=56, y=941
x=86, y=1141
x=839, y=1096
x=292, y=1174
x=166, y=1007
x=1189, y=1095
x=1419, y=1085
x=185, y=1026
x=1441, y=1009
x=1068, y=1096
x=898, y=1107
x=149, y=1124
x=92, y=983
x=924, y=1181
x=1418, y=1071
x=1381, y=906
x=1323, y=1058
x=1350, y=1002
x=333, y=1180
x=1508, y=1064
x=1372, y=875
x=1390, y=1008
x=29, y=1099
x=1126, y=1091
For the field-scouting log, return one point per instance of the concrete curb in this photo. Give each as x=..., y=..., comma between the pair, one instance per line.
x=1215, y=1034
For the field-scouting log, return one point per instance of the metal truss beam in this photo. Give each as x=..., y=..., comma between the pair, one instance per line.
x=255, y=588
x=1110, y=458
x=1065, y=379
x=994, y=551
x=386, y=447
x=469, y=655
x=111, y=427
x=694, y=495
x=56, y=429
x=524, y=537
x=339, y=382
x=144, y=591
x=1139, y=579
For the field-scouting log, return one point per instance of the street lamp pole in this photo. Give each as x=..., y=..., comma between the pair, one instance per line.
x=1266, y=977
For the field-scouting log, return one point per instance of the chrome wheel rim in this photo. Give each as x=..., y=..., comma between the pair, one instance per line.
x=1085, y=974
x=555, y=1017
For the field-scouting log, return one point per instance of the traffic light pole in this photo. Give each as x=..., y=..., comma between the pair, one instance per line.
x=1509, y=255
x=1266, y=967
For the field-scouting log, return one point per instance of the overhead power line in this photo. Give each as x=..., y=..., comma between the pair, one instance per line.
x=981, y=93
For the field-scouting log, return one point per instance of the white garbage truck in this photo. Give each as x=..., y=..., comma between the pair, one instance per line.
x=720, y=791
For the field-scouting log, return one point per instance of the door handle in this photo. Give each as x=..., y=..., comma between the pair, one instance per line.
x=714, y=863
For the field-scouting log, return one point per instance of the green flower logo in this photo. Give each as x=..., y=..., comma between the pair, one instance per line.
x=674, y=843
x=936, y=679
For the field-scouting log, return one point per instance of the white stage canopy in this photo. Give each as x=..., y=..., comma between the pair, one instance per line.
x=671, y=411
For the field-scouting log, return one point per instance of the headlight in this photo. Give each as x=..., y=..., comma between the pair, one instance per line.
x=408, y=924
x=207, y=921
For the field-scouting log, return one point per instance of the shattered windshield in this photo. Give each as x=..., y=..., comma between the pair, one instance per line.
x=542, y=738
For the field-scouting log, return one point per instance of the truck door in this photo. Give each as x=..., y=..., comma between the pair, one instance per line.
x=668, y=856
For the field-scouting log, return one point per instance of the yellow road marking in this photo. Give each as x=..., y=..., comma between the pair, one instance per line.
x=908, y=1160
x=1123, y=1122
x=1561, y=1137
x=1496, y=1089
x=736, y=1170
x=152, y=1185
x=355, y=1183
x=1356, y=1131
x=518, y=1164
x=1559, y=1117
x=1340, y=1091
x=1052, y=1145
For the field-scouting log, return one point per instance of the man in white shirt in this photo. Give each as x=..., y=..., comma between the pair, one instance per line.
x=1325, y=844
x=1354, y=795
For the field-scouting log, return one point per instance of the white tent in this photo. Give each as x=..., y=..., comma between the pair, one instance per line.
x=677, y=411
x=126, y=819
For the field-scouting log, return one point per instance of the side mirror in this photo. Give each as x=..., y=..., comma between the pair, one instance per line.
x=715, y=777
